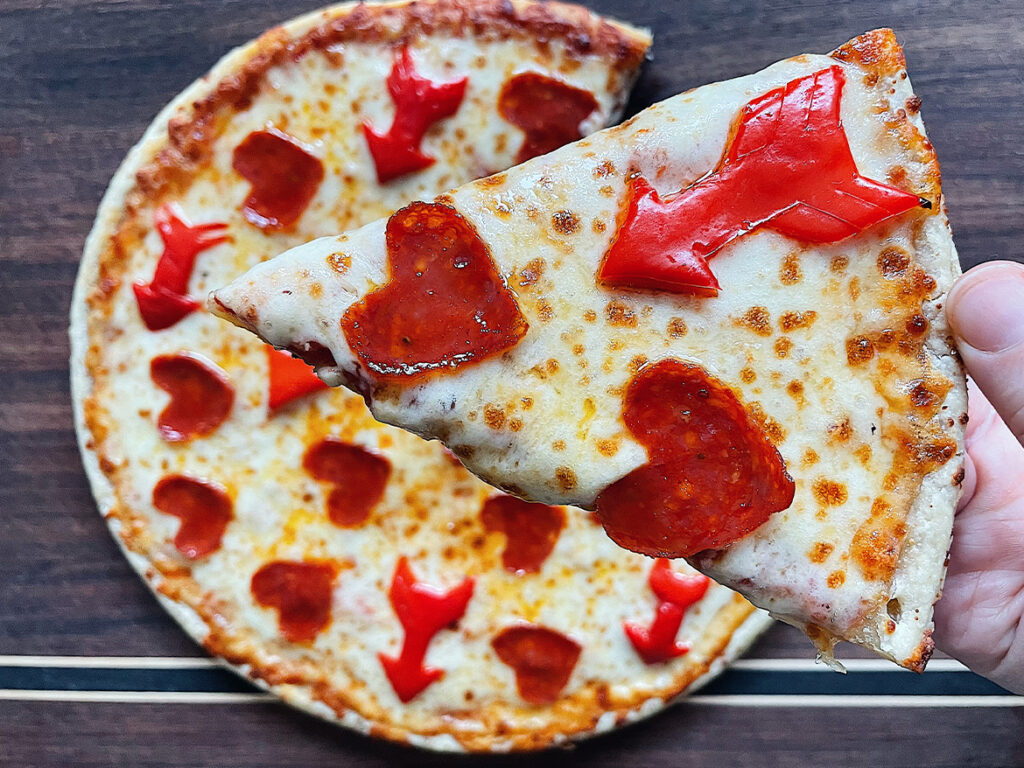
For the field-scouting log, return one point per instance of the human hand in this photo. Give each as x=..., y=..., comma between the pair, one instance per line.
x=980, y=618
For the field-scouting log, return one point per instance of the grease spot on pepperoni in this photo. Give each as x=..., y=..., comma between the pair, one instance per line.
x=204, y=509
x=201, y=395
x=542, y=659
x=444, y=304
x=283, y=174
x=531, y=531
x=300, y=591
x=359, y=476
x=547, y=110
x=712, y=475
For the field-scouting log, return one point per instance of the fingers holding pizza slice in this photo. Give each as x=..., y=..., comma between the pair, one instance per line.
x=717, y=324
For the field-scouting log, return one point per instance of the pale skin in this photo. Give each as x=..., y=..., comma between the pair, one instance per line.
x=980, y=618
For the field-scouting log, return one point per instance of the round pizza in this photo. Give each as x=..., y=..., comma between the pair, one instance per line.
x=355, y=570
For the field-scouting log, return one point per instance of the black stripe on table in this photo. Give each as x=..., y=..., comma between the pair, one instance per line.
x=731, y=682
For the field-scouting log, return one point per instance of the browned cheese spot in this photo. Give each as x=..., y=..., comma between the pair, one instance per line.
x=515, y=424
x=530, y=274
x=790, y=321
x=558, y=445
x=855, y=288
x=898, y=176
x=913, y=104
x=604, y=169
x=810, y=458
x=839, y=264
x=618, y=313
x=829, y=493
x=638, y=362
x=790, y=272
x=578, y=349
x=527, y=402
x=835, y=579
x=676, y=328
x=608, y=446
x=863, y=454
x=598, y=226
x=893, y=262
x=771, y=427
x=590, y=316
x=748, y=376
x=339, y=262
x=916, y=325
x=783, y=346
x=496, y=180
x=544, y=310
x=859, y=350
x=877, y=543
x=758, y=320
x=316, y=290
x=841, y=432
x=820, y=551
x=795, y=389
x=565, y=477
x=494, y=417
x=565, y=222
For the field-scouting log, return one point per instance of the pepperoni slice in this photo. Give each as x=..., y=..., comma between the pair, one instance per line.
x=547, y=110
x=201, y=395
x=205, y=511
x=419, y=103
x=531, y=531
x=283, y=174
x=359, y=477
x=289, y=378
x=423, y=611
x=712, y=475
x=542, y=659
x=675, y=592
x=444, y=304
x=301, y=593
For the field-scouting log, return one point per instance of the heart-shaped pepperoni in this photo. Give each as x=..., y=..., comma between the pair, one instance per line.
x=444, y=304
x=548, y=110
x=531, y=530
x=301, y=593
x=201, y=395
x=204, y=509
x=283, y=174
x=712, y=475
x=542, y=659
x=359, y=477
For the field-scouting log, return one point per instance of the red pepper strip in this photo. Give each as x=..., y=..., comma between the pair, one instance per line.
x=423, y=612
x=290, y=378
x=788, y=168
x=675, y=592
x=419, y=103
x=165, y=300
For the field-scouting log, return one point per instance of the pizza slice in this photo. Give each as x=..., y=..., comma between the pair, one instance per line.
x=718, y=325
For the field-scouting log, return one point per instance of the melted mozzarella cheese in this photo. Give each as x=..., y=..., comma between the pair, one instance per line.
x=836, y=425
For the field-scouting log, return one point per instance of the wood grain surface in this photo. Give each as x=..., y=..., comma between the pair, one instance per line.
x=79, y=82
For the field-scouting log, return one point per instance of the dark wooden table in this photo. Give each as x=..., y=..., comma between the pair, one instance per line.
x=80, y=80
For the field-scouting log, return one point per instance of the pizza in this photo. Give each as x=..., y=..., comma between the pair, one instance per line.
x=718, y=325
x=353, y=569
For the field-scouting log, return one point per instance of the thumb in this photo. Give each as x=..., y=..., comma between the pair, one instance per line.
x=985, y=309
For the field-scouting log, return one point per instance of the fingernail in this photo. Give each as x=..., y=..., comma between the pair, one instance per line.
x=986, y=309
